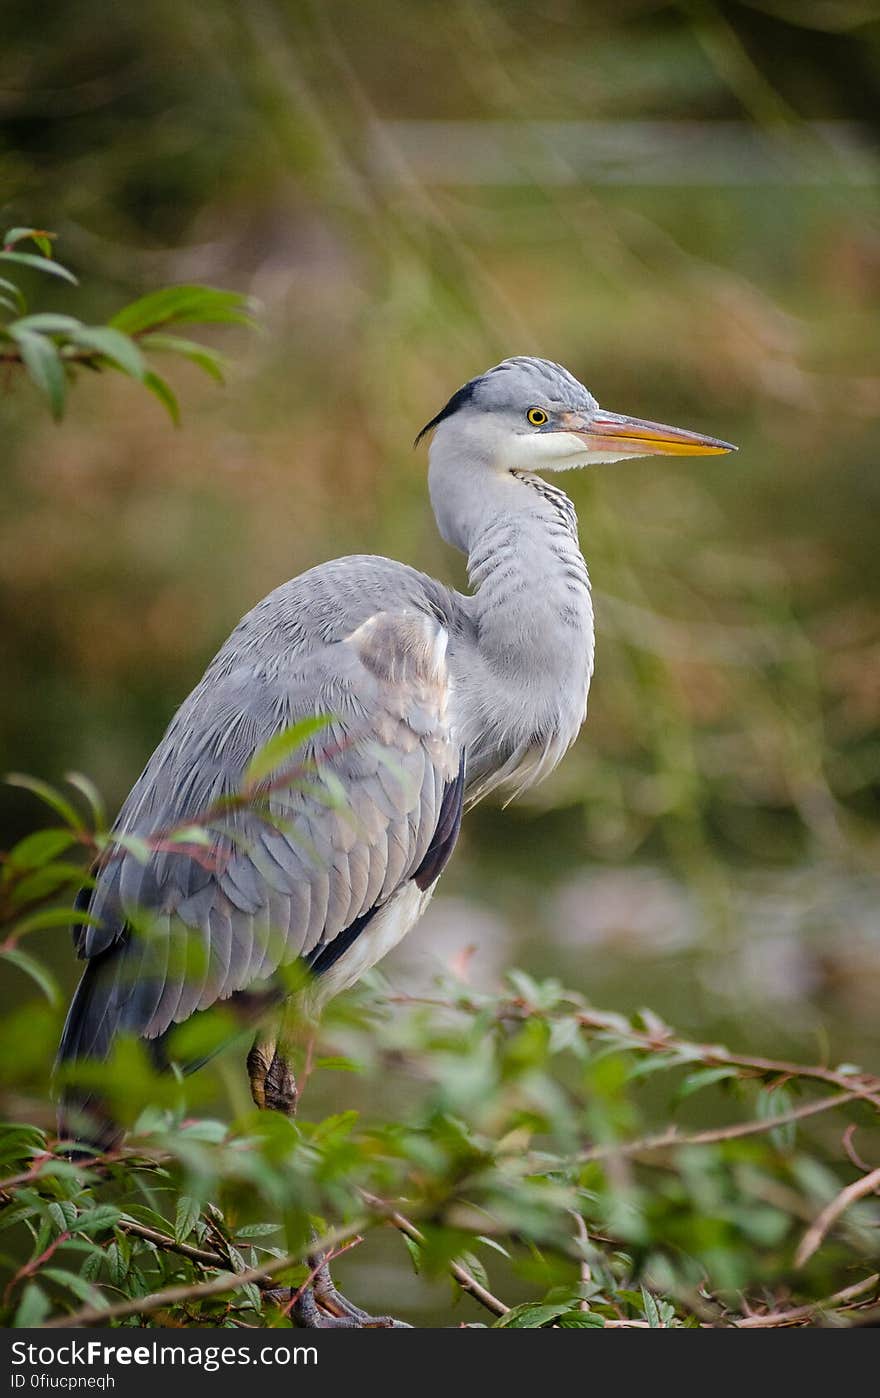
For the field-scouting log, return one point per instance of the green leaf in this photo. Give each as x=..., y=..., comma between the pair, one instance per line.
x=9, y=1217
x=694, y=1082
x=46, y=323
x=117, y=1263
x=37, y=849
x=33, y=1307
x=40, y=264
x=40, y=236
x=43, y=362
x=251, y=1293
x=340, y=1065
x=256, y=1230
x=135, y=845
x=92, y=1266
x=18, y=1144
x=163, y=391
x=97, y=1220
x=112, y=345
x=415, y=1253
x=530, y=1316
x=37, y=972
x=15, y=292
x=526, y=988
x=336, y=1128
x=207, y=359
x=191, y=835
x=278, y=750
x=472, y=1263
x=181, y=305
x=656, y=1313
x=52, y=917
x=581, y=1320
x=77, y=1284
x=211, y=1131
x=656, y=1063
x=63, y=1215
x=776, y=1101
x=236, y=1258
x=50, y=796
x=38, y=884
x=186, y=1217
x=87, y=787
x=492, y=1243
x=139, y=1213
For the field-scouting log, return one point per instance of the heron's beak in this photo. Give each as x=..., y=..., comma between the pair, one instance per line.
x=633, y=436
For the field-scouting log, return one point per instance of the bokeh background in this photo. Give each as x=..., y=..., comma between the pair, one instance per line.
x=677, y=201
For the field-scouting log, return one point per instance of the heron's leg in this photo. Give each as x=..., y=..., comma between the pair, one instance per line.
x=339, y=1306
x=273, y=1088
x=273, y=1085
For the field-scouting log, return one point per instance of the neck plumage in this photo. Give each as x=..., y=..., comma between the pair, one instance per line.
x=522, y=667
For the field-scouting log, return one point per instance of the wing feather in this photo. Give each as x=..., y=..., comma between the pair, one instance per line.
x=280, y=882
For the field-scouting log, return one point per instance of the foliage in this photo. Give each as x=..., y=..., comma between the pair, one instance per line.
x=519, y=1161
x=50, y=347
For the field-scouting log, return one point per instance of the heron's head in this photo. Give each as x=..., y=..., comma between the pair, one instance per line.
x=531, y=415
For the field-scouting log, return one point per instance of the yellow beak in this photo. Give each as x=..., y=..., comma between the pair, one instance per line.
x=633, y=436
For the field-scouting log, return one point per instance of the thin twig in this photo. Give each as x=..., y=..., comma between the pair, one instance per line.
x=662, y=1040
x=34, y=1170
x=323, y=1261
x=465, y=1279
x=26, y=1176
x=34, y=1265
x=860, y=1085
x=13, y=358
x=814, y=1235
x=772, y=1319
x=162, y=1240
x=584, y=1239
x=840, y=1300
x=672, y=1139
x=849, y=1147
x=144, y=1305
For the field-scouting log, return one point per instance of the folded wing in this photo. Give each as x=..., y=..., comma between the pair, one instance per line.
x=370, y=802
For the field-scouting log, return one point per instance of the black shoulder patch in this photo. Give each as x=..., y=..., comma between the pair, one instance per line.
x=325, y=954
x=458, y=400
x=440, y=849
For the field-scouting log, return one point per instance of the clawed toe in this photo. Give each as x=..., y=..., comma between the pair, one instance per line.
x=330, y=1310
x=319, y=1306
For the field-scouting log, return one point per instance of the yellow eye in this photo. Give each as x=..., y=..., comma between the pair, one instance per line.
x=536, y=416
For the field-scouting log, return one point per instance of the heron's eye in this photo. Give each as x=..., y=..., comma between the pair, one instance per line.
x=536, y=416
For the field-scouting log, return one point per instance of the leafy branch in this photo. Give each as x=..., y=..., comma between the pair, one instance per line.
x=51, y=347
x=527, y=1118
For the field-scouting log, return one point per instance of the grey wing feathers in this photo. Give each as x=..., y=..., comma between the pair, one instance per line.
x=278, y=884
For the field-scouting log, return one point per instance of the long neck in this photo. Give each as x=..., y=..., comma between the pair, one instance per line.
x=524, y=670
x=531, y=589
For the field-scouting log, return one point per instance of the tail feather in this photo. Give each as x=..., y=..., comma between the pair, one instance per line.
x=117, y=995
x=106, y=1003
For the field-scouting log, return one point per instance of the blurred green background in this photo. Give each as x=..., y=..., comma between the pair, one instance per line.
x=678, y=202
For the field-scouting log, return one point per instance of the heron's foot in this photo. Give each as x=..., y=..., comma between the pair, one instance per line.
x=337, y=1313
x=273, y=1085
x=332, y=1301
x=321, y=1307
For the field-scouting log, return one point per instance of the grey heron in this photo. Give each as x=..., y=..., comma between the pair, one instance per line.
x=436, y=698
